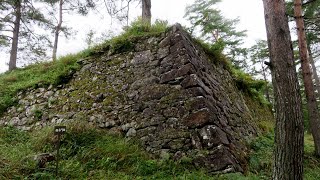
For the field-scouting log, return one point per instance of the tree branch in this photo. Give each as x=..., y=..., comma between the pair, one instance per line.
x=308, y=2
x=5, y=36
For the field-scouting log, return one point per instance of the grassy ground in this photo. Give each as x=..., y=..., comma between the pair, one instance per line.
x=88, y=153
x=35, y=75
x=60, y=71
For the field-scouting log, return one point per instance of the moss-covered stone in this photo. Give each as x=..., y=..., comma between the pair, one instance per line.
x=160, y=90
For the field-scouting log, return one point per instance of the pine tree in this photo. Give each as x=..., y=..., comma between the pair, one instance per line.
x=288, y=147
x=17, y=21
x=313, y=112
x=81, y=6
x=214, y=28
x=311, y=16
x=259, y=56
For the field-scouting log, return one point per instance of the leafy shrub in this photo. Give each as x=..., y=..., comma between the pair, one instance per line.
x=215, y=53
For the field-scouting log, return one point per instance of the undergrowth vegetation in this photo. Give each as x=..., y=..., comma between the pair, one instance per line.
x=125, y=41
x=60, y=71
x=245, y=82
x=36, y=75
x=86, y=153
x=90, y=153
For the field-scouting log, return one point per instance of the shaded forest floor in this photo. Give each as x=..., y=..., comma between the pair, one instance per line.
x=88, y=153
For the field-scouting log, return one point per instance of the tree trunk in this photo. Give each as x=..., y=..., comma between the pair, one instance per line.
x=57, y=32
x=307, y=78
x=264, y=73
x=146, y=11
x=288, y=148
x=314, y=72
x=15, y=37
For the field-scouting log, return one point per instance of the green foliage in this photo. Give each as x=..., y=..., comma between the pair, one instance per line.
x=39, y=74
x=12, y=136
x=61, y=71
x=311, y=21
x=208, y=20
x=251, y=86
x=260, y=161
x=259, y=53
x=31, y=42
x=215, y=53
x=125, y=41
x=89, y=153
x=266, y=126
x=245, y=82
x=85, y=153
x=139, y=27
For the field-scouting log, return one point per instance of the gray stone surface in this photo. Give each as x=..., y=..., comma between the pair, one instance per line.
x=166, y=93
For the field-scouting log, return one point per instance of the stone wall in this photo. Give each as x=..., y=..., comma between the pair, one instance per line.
x=165, y=93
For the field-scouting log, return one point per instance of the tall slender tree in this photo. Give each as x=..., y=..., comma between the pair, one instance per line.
x=17, y=19
x=311, y=16
x=17, y=5
x=307, y=76
x=314, y=70
x=81, y=6
x=259, y=54
x=312, y=26
x=288, y=148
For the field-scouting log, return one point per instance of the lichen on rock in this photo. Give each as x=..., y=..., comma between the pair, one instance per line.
x=164, y=92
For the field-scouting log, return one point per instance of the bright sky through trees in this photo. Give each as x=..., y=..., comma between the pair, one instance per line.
x=250, y=13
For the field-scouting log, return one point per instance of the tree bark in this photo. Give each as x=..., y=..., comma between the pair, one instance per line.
x=288, y=148
x=15, y=37
x=57, y=32
x=314, y=72
x=146, y=11
x=307, y=77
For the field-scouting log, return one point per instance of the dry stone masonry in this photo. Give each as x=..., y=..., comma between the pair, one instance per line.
x=165, y=92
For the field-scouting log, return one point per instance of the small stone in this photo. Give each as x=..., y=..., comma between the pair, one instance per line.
x=42, y=89
x=54, y=120
x=131, y=133
x=50, y=87
x=25, y=128
x=14, y=121
x=86, y=67
x=92, y=118
x=164, y=154
x=102, y=125
x=110, y=124
x=48, y=94
x=126, y=127
x=59, y=121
